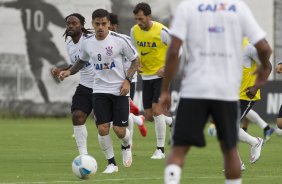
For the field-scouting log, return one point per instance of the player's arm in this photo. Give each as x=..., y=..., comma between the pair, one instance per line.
x=264, y=69
x=56, y=71
x=79, y=64
x=279, y=67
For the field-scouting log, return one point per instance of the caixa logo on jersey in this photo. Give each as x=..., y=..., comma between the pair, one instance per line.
x=217, y=7
x=104, y=66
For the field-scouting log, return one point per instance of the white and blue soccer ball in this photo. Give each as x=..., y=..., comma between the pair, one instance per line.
x=212, y=130
x=83, y=166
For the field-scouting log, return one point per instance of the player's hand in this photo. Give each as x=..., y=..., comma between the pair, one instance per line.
x=55, y=72
x=279, y=68
x=163, y=106
x=125, y=87
x=160, y=72
x=64, y=74
x=251, y=91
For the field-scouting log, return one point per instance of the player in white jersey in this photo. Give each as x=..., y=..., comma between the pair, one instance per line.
x=82, y=99
x=212, y=31
x=133, y=118
x=106, y=50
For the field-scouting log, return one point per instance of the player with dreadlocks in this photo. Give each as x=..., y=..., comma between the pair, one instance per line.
x=82, y=99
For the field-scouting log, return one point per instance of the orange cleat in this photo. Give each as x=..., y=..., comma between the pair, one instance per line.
x=133, y=108
x=142, y=128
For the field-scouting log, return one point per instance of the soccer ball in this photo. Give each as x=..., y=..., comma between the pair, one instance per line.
x=83, y=166
x=212, y=130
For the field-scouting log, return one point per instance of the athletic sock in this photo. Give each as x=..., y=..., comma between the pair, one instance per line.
x=80, y=134
x=106, y=145
x=255, y=118
x=125, y=141
x=245, y=137
x=233, y=181
x=172, y=174
x=112, y=161
x=160, y=130
x=130, y=128
x=168, y=120
x=266, y=128
x=161, y=148
x=136, y=119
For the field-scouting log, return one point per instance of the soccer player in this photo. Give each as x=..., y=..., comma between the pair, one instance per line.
x=279, y=117
x=151, y=40
x=106, y=50
x=36, y=16
x=134, y=111
x=82, y=99
x=212, y=32
x=255, y=118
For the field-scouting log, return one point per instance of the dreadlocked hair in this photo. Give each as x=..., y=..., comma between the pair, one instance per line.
x=82, y=22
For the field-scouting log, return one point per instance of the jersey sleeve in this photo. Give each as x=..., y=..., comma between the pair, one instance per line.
x=251, y=51
x=250, y=27
x=128, y=50
x=180, y=22
x=165, y=36
x=83, y=55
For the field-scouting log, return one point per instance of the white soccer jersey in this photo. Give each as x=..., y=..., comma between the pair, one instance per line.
x=87, y=72
x=212, y=31
x=108, y=59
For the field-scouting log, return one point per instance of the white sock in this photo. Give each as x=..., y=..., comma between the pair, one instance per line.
x=160, y=129
x=106, y=144
x=126, y=139
x=168, y=120
x=130, y=128
x=80, y=134
x=172, y=174
x=255, y=118
x=245, y=137
x=233, y=181
x=136, y=119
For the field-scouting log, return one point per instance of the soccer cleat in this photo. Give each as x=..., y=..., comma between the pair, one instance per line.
x=142, y=128
x=111, y=168
x=133, y=108
x=127, y=157
x=256, y=150
x=268, y=133
x=158, y=154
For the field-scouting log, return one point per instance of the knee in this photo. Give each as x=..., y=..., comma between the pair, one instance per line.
x=104, y=129
x=279, y=123
x=78, y=117
x=120, y=131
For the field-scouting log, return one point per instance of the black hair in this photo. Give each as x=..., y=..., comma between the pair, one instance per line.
x=145, y=7
x=82, y=22
x=100, y=13
x=113, y=18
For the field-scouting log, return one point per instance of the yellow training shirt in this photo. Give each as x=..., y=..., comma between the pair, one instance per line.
x=249, y=67
x=151, y=49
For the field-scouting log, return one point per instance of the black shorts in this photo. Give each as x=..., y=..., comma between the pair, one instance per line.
x=193, y=114
x=245, y=107
x=132, y=89
x=82, y=99
x=151, y=92
x=108, y=107
x=280, y=112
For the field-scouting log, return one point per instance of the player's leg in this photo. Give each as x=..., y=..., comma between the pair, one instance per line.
x=120, y=124
x=103, y=115
x=245, y=124
x=226, y=117
x=255, y=118
x=187, y=131
x=81, y=107
x=256, y=143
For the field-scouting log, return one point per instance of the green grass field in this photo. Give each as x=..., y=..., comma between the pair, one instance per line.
x=40, y=151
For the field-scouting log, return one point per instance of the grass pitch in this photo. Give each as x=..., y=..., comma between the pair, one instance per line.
x=40, y=151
